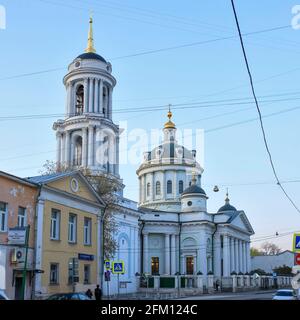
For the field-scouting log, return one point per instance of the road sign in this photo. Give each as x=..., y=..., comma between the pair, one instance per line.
x=296, y=242
x=297, y=259
x=118, y=267
x=107, y=264
x=274, y=274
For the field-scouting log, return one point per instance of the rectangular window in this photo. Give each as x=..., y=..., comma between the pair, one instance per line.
x=73, y=270
x=87, y=232
x=55, y=225
x=3, y=217
x=155, y=265
x=22, y=217
x=72, y=229
x=87, y=274
x=53, y=273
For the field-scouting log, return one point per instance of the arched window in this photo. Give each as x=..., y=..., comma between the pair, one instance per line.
x=79, y=100
x=169, y=186
x=180, y=186
x=157, y=188
x=148, y=189
x=78, y=152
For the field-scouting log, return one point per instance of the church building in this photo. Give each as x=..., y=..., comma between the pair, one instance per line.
x=169, y=231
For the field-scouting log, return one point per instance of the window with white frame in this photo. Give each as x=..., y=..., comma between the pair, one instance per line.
x=72, y=229
x=3, y=217
x=22, y=217
x=55, y=224
x=87, y=232
x=54, y=273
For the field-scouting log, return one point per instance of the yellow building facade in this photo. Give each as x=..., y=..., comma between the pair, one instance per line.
x=68, y=234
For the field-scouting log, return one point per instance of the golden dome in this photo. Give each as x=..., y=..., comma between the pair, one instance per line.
x=169, y=124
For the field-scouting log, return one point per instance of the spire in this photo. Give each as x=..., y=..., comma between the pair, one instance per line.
x=227, y=199
x=90, y=46
x=169, y=124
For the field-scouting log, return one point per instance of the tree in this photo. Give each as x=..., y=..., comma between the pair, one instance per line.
x=283, y=270
x=255, y=252
x=107, y=187
x=270, y=248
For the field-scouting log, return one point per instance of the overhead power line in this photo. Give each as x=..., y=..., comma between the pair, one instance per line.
x=259, y=112
x=192, y=44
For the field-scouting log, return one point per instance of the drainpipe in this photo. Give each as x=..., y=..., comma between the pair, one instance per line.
x=102, y=247
x=179, y=251
x=33, y=293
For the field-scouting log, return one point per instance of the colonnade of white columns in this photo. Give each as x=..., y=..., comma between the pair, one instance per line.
x=94, y=101
x=89, y=136
x=236, y=256
x=169, y=254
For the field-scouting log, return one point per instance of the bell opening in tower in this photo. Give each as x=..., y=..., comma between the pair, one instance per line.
x=79, y=100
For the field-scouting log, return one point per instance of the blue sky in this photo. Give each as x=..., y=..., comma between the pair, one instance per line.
x=46, y=34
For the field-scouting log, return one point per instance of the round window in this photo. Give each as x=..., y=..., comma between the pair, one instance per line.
x=189, y=203
x=74, y=185
x=77, y=64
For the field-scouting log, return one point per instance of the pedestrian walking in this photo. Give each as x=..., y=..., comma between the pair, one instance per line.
x=98, y=293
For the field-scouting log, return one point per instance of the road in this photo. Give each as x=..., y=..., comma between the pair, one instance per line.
x=256, y=295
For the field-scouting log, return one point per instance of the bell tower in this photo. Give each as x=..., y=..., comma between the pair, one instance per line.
x=87, y=137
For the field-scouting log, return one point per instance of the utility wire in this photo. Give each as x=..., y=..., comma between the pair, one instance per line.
x=259, y=112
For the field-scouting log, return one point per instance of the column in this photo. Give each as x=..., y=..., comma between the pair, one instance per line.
x=67, y=148
x=58, y=151
x=110, y=103
x=173, y=254
x=63, y=153
x=84, y=146
x=202, y=259
x=152, y=187
x=236, y=255
x=163, y=185
x=140, y=190
x=101, y=97
x=68, y=102
x=226, y=257
x=232, y=255
x=244, y=257
x=174, y=186
x=145, y=253
x=144, y=188
x=86, y=95
x=91, y=146
x=248, y=257
x=117, y=161
x=217, y=255
x=72, y=108
x=91, y=94
x=136, y=250
x=167, y=254
x=96, y=98
x=240, y=256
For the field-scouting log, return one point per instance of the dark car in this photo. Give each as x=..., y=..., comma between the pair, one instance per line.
x=69, y=296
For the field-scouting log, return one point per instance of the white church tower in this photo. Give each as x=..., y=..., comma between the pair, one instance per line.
x=87, y=137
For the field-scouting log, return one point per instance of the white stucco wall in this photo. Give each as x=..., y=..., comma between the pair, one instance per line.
x=268, y=263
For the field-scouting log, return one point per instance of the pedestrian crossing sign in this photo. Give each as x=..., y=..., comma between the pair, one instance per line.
x=296, y=242
x=118, y=267
x=107, y=264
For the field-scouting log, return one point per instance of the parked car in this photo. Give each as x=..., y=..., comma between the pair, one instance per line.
x=285, y=294
x=69, y=296
x=3, y=296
